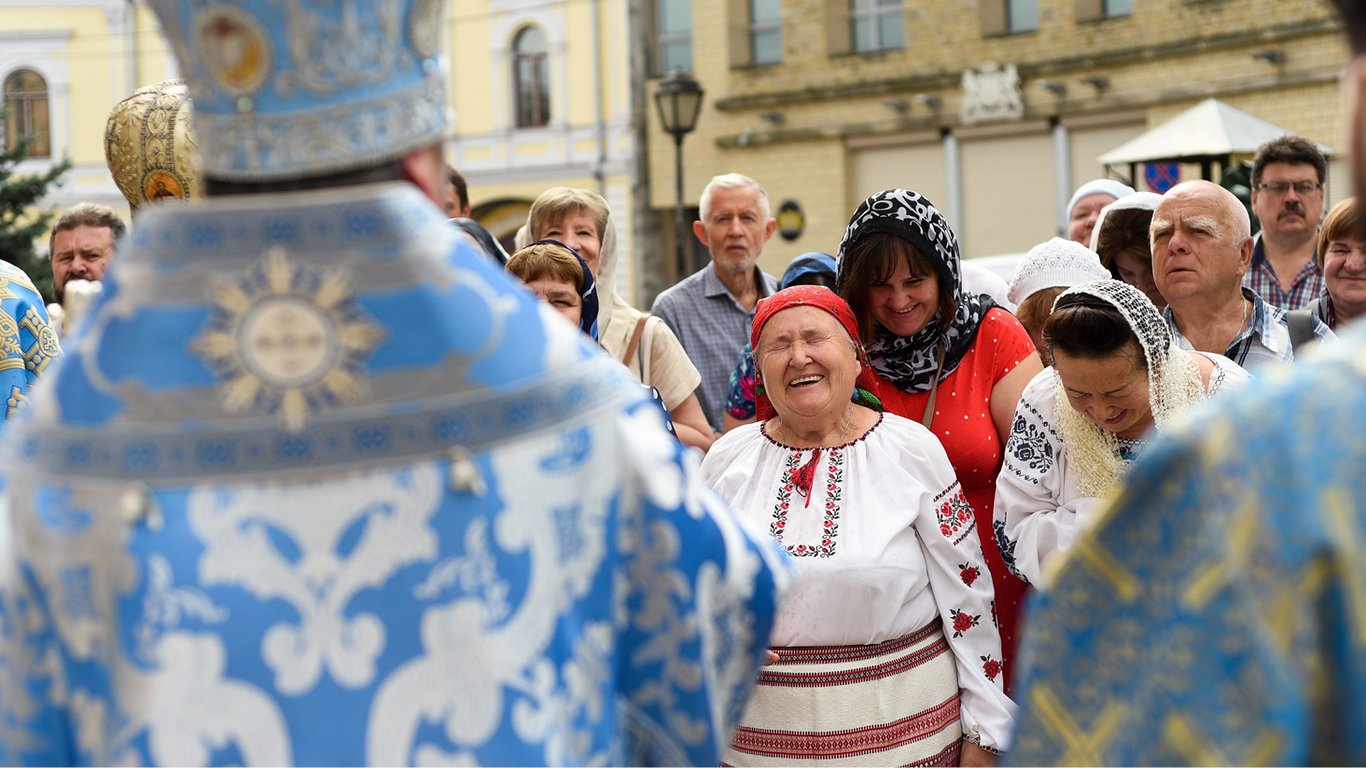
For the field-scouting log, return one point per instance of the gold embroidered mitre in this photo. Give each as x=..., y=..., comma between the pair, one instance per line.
x=150, y=147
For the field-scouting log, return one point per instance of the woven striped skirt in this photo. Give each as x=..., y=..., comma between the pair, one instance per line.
x=894, y=703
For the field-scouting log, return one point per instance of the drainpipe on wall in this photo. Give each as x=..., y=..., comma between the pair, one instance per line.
x=1062, y=172
x=645, y=221
x=953, y=183
x=601, y=161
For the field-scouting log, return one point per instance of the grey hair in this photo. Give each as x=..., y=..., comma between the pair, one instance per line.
x=732, y=181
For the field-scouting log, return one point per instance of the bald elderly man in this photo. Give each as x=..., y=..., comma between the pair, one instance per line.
x=1202, y=246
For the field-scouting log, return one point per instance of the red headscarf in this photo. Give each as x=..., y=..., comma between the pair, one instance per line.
x=820, y=298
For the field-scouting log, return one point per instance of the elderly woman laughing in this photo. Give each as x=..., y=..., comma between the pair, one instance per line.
x=886, y=650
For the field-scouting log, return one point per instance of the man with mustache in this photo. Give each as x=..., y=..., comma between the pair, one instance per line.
x=1287, y=196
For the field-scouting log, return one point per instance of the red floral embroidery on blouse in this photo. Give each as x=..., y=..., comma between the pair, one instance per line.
x=968, y=573
x=834, y=493
x=990, y=667
x=963, y=621
x=954, y=513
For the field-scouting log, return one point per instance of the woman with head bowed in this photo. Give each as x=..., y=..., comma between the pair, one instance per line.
x=885, y=651
x=1047, y=270
x=950, y=360
x=1116, y=377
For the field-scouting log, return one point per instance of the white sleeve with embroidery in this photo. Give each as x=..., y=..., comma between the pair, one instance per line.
x=965, y=598
x=1039, y=512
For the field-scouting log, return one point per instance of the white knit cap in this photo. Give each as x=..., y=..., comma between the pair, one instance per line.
x=1115, y=189
x=1057, y=262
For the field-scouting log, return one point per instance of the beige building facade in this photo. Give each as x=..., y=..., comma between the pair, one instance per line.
x=994, y=109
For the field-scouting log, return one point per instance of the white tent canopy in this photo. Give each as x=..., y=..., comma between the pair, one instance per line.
x=1208, y=131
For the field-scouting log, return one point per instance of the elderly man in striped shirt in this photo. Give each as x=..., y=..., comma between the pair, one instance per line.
x=1202, y=246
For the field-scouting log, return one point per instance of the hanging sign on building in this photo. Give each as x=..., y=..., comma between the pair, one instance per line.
x=791, y=220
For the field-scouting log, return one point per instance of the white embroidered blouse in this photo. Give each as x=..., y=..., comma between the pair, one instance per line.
x=1039, y=510
x=883, y=545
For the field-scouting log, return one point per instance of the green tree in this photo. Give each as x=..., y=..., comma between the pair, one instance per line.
x=21, y=223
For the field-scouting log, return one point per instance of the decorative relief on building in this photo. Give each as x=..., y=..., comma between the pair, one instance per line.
x=991, y=92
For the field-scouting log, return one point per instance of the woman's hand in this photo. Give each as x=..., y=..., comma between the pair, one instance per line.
x=770, y=657
x=973, y=755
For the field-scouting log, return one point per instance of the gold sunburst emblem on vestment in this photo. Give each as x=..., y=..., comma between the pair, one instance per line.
x=287, y=340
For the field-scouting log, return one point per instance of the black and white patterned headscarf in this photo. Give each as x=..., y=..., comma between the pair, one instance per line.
x=909, y=362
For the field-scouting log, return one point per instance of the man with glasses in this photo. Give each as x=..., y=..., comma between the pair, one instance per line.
x=1287, y=196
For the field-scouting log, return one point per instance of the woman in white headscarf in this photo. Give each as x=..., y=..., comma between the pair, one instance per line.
x=1083, y=210
x=1120, y=238
x=1116, y=377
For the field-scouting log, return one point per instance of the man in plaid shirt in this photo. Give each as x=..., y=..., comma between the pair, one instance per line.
x=1287, y=196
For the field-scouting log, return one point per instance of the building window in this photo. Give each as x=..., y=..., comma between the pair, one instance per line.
x=876, y=25
x=765, y=31
x=1096, y=10
x=1022, y=15
x=673, y=36
x=1007, y=17
x=26, y=113
x=531, y=78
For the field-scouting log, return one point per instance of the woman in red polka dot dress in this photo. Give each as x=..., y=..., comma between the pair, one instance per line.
x=957, y=363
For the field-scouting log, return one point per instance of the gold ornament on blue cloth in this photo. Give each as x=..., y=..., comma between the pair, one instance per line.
x=149, y=144
x=288, y=89
x=287, y=340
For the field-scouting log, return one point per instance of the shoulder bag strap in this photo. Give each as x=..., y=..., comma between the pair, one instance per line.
x=1300, y=323
x=647, y=348
x=635, y=341
x=934, y=389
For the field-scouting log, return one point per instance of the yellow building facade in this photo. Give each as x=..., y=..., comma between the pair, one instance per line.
x=995, y=109
x=65, y=65
x=70, y=62
x=544, y=96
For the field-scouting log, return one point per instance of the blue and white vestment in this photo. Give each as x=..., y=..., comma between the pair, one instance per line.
x=319, y=484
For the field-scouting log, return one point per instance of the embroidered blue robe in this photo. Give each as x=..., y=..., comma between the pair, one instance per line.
x=319, y=484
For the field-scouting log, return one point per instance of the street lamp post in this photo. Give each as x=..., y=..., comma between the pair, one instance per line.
x=679, y=99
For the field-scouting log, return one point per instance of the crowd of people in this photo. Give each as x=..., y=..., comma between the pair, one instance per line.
x=327, y=476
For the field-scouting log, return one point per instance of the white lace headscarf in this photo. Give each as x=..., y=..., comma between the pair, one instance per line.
x=1173, y=385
